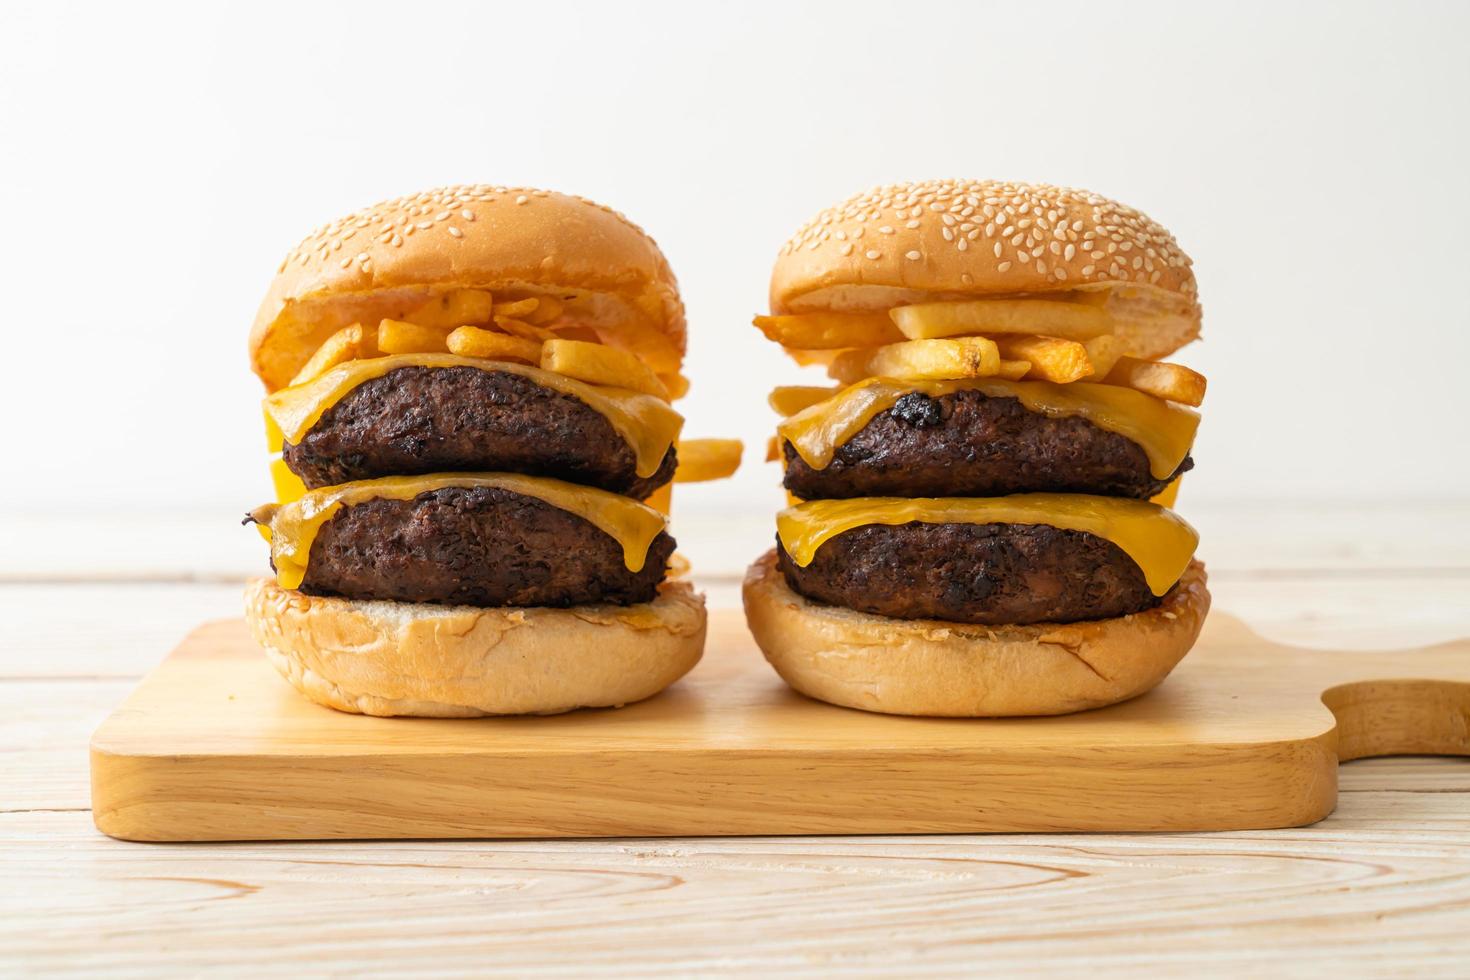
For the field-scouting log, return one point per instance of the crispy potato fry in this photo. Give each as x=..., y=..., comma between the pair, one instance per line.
x=677, y=385
x=516, y=308
x=1052, y=358
x=806, y=358
x=347, y=344
x=520, y=328
x=1167, y=496
x=1173, y=382
x=707, y=459
x=790, y=399
x=476, y=342
x=1104, y=352
x=662, y=499
x=402, y=337
x=599, y=364
x=829, y=331
x=649, y=344
x=962, y=357
x=548, y=308
x=1070, y=321
x=1013, y=370
x=453, y=308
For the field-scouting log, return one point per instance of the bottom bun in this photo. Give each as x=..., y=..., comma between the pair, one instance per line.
x=930, y=667
x=401, y=658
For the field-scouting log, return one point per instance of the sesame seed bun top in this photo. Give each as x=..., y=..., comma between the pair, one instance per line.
x=384, y=259
x=969, y=239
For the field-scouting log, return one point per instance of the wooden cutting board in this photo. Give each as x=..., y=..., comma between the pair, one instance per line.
x=213, y=745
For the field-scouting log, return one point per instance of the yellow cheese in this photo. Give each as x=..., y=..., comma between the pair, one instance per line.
x=294, y=526
x=1159, y=540
x=1164, y=430
x=648, y=424
x=288, y=485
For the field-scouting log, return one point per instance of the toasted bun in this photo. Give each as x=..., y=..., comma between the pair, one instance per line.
x=396, y=254
x=396, y=658
x=963, y=239
x=929, y=667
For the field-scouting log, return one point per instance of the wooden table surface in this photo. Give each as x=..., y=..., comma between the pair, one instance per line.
x=1382, y=887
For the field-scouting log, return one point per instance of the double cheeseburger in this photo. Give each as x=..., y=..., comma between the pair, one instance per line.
x=469, y=390
x=980, y=522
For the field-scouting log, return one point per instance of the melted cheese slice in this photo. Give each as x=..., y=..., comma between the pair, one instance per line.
x=1164, y=430
x=293, y=527
x=1159, y=540
x=648, y=424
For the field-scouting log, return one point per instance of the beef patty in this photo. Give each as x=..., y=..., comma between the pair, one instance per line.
x=479, y=546
x=969, y=444
x=416, y=420
x=991, y=574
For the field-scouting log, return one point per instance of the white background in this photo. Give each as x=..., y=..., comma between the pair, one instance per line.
x=155, y=164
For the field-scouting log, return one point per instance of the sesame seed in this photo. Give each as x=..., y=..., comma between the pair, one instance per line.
x=912, y=255
x=872, y=253
x=1069, y=224
x=455, y=232
x=522, y=199
x=1004, y=267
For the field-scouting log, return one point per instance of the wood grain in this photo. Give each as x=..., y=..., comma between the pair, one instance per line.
x=214, y=747
x=1381, y=887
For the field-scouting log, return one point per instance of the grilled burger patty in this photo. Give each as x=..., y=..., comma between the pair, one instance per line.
x=416, y=420
x=478, y=546
x=969, y=444
x=990, y=574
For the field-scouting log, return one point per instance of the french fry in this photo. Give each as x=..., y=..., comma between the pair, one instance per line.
x=662, y=499
x=475, y=342
x=599, y=364
x=453, y=308
x=707, y=459
x=347, y=344
x=548, y=308
x=1104, y=352
x=828, y=331
x=1070, y=321
x=402, y=337
x=963, y=357
x=516, y=308
x=789, y=399
x=520, y=328
x=1052, y=358
x=676, y=384
x=1013, y=370
x=1173, y=382
x=806, y=358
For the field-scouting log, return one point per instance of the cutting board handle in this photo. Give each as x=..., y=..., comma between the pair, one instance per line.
x=1400, y=717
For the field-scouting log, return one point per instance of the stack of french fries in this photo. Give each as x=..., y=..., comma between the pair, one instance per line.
x=1032, y=339
x=527, y=330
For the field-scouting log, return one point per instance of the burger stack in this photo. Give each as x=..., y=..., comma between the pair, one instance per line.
x=469, y=390
x=980, y=520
